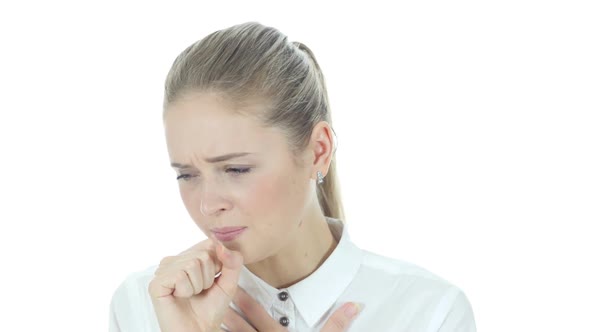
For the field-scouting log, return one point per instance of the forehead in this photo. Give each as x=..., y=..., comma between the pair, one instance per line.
x=207, y=124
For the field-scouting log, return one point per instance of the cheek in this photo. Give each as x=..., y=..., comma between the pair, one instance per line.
x=263, y=193
x=191, y=203
x=276, y=194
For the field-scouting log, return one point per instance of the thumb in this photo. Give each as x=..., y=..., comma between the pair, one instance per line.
x=231, y=266
x=342, y=318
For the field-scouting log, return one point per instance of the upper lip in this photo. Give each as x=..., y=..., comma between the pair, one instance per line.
x=223, y=230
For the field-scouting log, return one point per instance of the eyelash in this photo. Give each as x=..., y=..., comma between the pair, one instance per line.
x=235, y=170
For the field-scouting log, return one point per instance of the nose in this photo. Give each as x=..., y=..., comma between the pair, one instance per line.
x=212, y=203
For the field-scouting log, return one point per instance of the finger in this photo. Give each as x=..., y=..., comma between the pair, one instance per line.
x=207, y=244
x=181, y=284
x=255, y=312
x=195, y=274
x=191, y=267
x=205, y=254
x=161, y=287
x=170, y=264
x=235, y=322
x=196, y=251
x=231, y=266
x=341, y=318
x=208, y=271
x=173, y=263
x=212, y=264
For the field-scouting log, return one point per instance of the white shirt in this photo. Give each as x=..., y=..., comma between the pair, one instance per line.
x=395, y=295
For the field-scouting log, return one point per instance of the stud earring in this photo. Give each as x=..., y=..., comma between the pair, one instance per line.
x=320, y=179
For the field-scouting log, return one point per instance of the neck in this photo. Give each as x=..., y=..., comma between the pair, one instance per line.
x=311, y=246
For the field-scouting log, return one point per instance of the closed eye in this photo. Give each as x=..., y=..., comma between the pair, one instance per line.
x=238, y=170
x=234, y=170
x=183, y=176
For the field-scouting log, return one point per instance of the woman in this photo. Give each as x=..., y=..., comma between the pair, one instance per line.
x=248, y=130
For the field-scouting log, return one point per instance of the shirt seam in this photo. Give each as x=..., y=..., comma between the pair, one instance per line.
x=443, y=309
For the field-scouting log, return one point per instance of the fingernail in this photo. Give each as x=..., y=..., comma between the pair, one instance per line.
x=352, y=310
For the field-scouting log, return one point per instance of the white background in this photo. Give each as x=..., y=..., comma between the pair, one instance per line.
x=464, y=147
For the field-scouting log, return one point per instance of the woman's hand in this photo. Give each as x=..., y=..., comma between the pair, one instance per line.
x=260, y=320
x=185, y=294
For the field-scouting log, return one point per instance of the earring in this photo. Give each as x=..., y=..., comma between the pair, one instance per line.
x=320, y=178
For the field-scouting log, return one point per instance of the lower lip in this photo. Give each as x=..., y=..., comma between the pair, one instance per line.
x=230, y=236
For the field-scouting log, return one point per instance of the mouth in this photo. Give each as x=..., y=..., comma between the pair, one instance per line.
x=225, y=230
x=228, y=233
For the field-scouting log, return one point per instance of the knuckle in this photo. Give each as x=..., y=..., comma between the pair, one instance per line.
x=154, y=286
x=210, y=258
x=151, y=286
x=166, y=260
x=198, y=290
x=192, y=265
x=200, y=255
x=180, y=276
x=182, y=287
x=340, y=322
x=207, y=283
x=158, y=272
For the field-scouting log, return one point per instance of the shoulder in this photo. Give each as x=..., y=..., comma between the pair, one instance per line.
x=421, y=293
x=131, y=307
x=140, y=277
x=391, y=267
x=134, y=284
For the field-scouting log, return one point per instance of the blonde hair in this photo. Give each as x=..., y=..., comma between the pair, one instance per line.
x=249, y=61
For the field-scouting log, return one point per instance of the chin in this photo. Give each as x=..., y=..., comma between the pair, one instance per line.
x=250, y=257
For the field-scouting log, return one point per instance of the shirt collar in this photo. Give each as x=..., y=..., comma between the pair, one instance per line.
x=317, y=293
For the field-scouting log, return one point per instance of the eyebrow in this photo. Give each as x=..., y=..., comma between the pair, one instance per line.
x=214, y=159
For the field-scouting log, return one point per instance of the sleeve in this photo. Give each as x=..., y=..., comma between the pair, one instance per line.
x=113, y=323
x=126, y=308
x=115, y=309
x=460, y=316
x=131, y=308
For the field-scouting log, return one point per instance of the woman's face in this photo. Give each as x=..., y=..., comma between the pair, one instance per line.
x=263, y=190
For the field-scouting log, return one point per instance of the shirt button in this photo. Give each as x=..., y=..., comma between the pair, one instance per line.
x=283, y=296
x=284, y=321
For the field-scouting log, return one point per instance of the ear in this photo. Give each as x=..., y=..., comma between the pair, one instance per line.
x=322, y=146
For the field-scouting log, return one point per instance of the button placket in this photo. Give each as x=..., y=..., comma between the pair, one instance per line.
x=284, y=321
x=283, y=296
x=284, y=310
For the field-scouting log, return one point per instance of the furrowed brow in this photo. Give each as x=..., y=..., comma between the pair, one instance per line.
x=214, y=159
